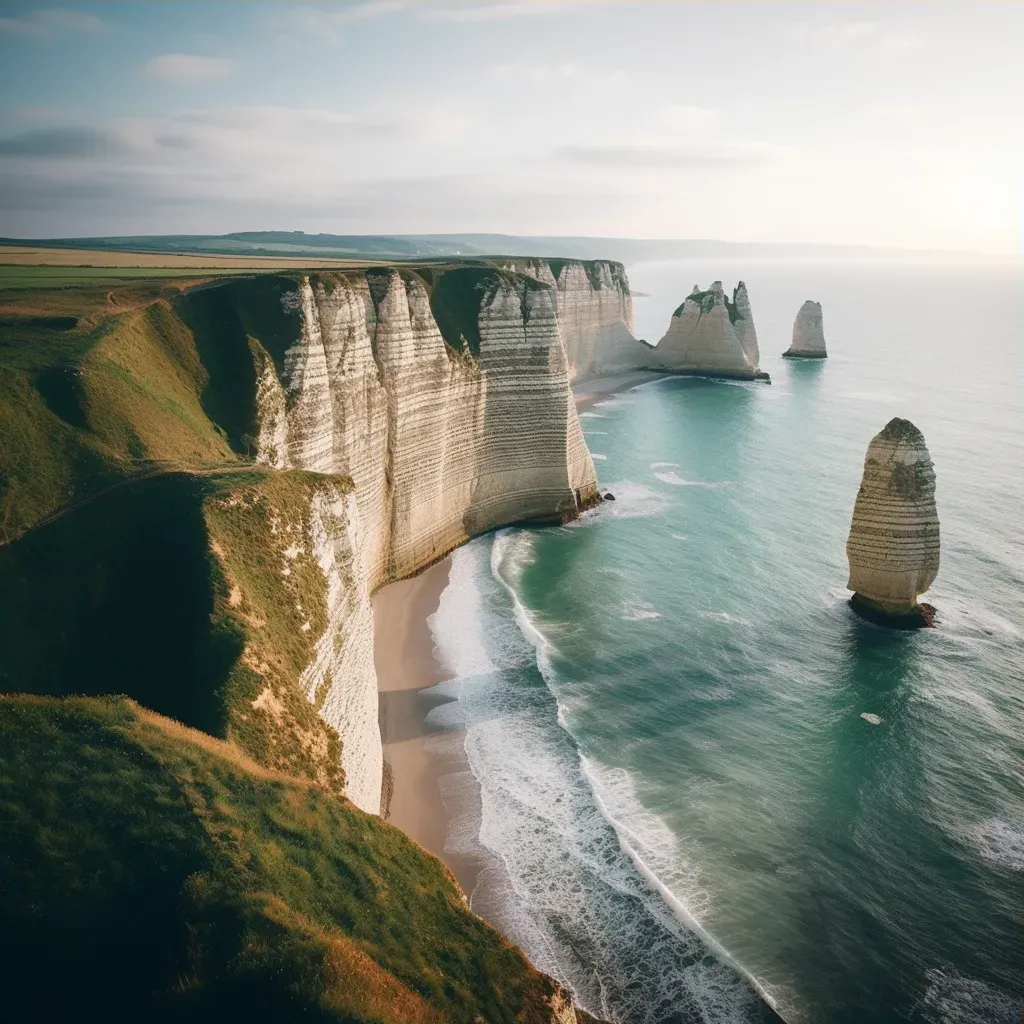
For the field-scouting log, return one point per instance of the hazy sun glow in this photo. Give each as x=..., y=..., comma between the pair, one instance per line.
x=867, y=123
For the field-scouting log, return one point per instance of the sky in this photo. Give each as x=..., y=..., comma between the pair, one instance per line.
x=819, y=122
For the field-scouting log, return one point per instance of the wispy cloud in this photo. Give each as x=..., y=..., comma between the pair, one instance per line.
x=681, y=158
x=45, y=22
x=69, y=142
x=185, y=68
x=494, y=11
x=326, y=21
x=683, y=117
x=878, y=37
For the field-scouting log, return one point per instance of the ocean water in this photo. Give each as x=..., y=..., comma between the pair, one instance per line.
x=695, y=773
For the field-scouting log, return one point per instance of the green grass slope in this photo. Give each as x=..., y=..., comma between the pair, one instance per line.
x=150, y=873
x=170, y=590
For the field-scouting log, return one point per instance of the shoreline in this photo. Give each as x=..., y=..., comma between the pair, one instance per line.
x=589, y=391
x=417, y=767
x=408, y=669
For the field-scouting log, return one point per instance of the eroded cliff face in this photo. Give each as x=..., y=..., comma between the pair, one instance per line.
x=595, y=314
x=893, y=547
x=443, y=439
x=808, y=335
x=710, y=335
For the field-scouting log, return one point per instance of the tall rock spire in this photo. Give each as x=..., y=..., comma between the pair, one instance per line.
x=808, y=337
x=893, y=548
x=711, y=336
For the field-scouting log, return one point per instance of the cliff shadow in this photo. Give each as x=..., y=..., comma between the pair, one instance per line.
x=116, y=598
x=225, y=318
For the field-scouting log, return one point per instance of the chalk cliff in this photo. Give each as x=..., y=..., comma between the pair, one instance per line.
x=391, y=415
x=893, y=547
x=709, y=335
x=595, y=313
x=808, y=336
x=444, y=436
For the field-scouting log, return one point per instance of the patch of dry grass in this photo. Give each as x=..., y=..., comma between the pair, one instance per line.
x=172, y=879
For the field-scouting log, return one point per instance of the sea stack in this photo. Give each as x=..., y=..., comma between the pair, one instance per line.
x=893, y=548
x=808, y=337
x=710, y=336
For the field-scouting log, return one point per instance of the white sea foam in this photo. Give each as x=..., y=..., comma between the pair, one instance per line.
x=678, y=536
x=594, y=433
x=655, y=851
x=677, y=481
x=645, y=385
x=638, y=611
x=724, y=617
x=870, y=396
x=596, y=455
x=554, y=877
x=664, y=465
x=954, y=999
x=456, y=625
x=999, y=842
x=871, y=718
x=633, y=501
x=587, y=415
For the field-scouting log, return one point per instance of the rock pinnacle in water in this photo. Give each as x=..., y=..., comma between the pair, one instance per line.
x=808, y=335
x=893, y=548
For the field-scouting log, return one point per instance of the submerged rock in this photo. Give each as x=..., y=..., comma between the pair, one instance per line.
x=893, y=547
x=808, y=336
x=609, y=496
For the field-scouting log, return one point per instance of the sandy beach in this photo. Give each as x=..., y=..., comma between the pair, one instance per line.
x=407, y=669
x=591, y=391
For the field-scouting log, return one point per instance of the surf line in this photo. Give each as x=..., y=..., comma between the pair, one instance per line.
x=676, y=905
x=543, y=647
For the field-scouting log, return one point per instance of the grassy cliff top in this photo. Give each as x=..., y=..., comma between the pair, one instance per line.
x=150, y=872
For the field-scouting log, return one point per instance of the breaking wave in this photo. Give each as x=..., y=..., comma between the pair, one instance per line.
x=596, y=890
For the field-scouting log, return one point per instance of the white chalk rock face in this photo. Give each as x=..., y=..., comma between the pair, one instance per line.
x=444, y=435
x=595, y=313
x=710, y=335
x=808, y=335
x=893, y=548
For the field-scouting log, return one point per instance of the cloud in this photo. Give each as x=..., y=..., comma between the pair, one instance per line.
x=65, y=143
x=674, y=158
x=185, y=68
x=326, y=22
x=47, y=22
x=683, y=117
x=870, y=36
x=566, y=73
x=470, y=12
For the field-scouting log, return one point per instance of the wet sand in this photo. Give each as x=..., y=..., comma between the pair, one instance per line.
x=414, y=762
x=406, y=667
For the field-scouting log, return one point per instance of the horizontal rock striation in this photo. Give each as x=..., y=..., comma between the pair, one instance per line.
x=595, y=314
x=893, y=547
x=709, y=335
x=444, y=436
x=808, y=336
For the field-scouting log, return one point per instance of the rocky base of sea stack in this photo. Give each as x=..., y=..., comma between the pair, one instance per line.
x=789, y=354
x=920, y=616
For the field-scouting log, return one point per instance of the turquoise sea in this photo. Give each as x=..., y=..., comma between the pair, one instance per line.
x=673, y=785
